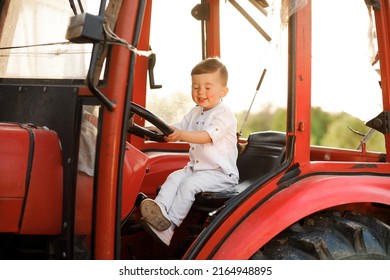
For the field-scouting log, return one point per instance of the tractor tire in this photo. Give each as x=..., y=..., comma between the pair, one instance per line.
x=330, y=236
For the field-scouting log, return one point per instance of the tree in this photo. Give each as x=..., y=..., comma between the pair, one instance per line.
x=327, y=129
x=260, y=121
x=339, y=135
x=279, y=120
x=320, y=121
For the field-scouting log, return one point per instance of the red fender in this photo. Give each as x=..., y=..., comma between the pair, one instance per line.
x=299, y=200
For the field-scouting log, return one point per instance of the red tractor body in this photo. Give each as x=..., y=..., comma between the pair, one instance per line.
x=293, y=196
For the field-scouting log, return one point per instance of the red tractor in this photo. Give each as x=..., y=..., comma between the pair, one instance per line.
x=76, y=159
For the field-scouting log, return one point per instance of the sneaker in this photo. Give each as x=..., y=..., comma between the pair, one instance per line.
x=164, y=237
x=155, y=214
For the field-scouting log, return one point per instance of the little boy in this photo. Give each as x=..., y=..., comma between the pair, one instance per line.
x=210, y=129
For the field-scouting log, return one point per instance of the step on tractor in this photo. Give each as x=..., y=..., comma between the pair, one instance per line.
x=81, y=82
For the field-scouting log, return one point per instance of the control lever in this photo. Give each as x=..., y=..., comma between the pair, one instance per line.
x=151, y=64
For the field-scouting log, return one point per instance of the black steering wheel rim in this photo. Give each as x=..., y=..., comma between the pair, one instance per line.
x=153, y=119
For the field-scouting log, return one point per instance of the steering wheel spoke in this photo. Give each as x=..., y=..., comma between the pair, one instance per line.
x=143, y=132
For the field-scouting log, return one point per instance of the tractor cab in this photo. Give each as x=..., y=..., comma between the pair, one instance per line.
x=81, y=82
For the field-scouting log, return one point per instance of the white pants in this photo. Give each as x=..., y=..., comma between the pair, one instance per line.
x=178, y=192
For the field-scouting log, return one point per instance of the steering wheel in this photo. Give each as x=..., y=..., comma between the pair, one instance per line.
x=143, y=132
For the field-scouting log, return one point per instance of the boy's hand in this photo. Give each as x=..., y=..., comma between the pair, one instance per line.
x=174, y=136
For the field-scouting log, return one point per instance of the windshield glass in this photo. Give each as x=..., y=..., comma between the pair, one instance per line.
x=248, y=55
x=244, y=50
x=33, y=44
x=345, y=81
x=346, y=91
x=175, y=38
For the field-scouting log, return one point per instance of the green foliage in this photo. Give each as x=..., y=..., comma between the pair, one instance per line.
x=255, y=122
x=343, y=132
x=327, y=129
x=279, y=120
x=319, y=125
x=171, y=108
x=266, y=119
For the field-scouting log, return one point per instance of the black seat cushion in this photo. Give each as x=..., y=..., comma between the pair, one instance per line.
x=264, y=151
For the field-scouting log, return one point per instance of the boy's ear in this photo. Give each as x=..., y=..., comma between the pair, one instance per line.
x=225, y=90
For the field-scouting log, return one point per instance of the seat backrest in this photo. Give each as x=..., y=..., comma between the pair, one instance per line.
x=265, y=150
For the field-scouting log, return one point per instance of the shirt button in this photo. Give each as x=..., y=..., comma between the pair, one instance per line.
x=197, y=161
x=192, y=148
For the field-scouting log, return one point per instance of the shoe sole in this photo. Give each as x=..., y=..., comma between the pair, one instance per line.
x=147, y=227
x=152, y=213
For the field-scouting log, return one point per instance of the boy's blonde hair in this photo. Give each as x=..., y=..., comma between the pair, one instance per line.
x=211, y=65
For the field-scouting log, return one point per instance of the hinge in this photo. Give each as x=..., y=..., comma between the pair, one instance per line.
x=376, y=4
x=201, y=11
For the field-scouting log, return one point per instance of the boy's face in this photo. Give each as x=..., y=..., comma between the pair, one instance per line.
x=207, y=90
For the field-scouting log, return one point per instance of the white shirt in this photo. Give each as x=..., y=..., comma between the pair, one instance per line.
x=221, y=125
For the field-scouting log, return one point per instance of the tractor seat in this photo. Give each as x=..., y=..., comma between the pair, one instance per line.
x=264, y=151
